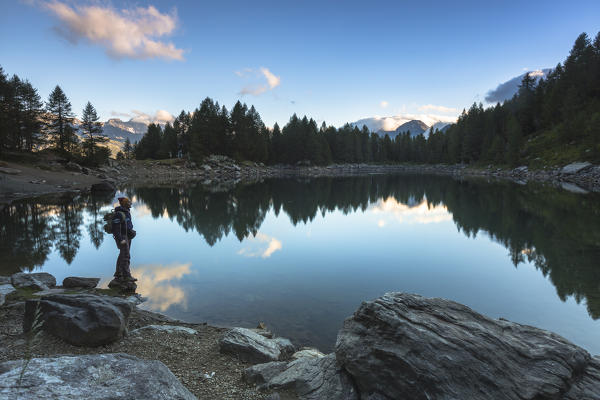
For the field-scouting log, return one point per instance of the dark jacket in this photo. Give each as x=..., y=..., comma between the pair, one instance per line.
x=122, y=229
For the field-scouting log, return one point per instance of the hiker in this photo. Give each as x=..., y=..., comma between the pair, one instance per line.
x=123, y=232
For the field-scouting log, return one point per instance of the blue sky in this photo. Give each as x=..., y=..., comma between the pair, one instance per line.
x=333, y=61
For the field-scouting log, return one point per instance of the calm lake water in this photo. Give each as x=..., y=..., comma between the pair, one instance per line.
x=301, y=255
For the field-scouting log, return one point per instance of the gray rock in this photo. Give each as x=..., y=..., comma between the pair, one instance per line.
x=71, y=166
x=103, y=187
x=285, y=347
x=91, y=377
x=573, y=188
x=311, y=378
x=575, y=167
x=165, y=328
x=81, y=319
x=251, y=347
x=79, y=282
x=407, y=346
x=4, y=280
x=36, y=281
x=307, y=352
x=586, y=387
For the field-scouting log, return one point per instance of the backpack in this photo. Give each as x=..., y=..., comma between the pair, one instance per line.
x=108, y=219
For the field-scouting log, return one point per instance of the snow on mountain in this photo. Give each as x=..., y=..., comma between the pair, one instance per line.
x=508, y=89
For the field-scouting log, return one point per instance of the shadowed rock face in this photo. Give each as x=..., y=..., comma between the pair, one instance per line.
x=407, y=346
x=91, y=377
x=83, y=319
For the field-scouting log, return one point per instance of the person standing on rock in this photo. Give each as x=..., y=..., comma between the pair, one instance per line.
x=123, y=232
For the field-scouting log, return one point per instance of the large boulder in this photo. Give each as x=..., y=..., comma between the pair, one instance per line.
x=311, y=378
x=36, y=281
x=407, y=346
x=79, y=282
x=254, y=348
x=90, y=377
x=81, y=319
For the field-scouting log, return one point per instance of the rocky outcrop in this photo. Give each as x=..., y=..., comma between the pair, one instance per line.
x=79, y=282
x=251, y=347
x=91, y=377
x=36, y=281
x=575, y=167
x=407, y=346
x=311, y=378
x=81, y=319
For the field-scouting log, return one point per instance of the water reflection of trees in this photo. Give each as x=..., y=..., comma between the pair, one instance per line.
x=559, y=232
x=30, y=230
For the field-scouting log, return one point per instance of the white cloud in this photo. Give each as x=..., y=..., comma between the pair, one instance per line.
x=128, y=33
x=255, y=246
x=440, y=109
x=384, y=104
x=536, y=74
x=264, y=80
x=160, y=117
x=272, y=80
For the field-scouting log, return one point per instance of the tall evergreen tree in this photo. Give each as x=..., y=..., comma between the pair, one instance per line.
x=59, y=124
x=92, y=128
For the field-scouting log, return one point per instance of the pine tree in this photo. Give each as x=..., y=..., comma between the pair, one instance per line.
x=59, y=125
x=92, y=128
x=127, y=149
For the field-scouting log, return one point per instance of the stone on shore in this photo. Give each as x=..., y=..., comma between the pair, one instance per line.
x=165, y=328
x=79, y=282
x=311, y=378
x=91, y=377
x=408, y=346
x=575, y=167
x=4, y=280
x=251, y=347
x=103, y=187
x=36, y=281
x=81, y=319
x=125, y=286
x=5, y=290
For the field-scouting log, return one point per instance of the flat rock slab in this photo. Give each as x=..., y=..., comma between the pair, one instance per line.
x=81, y=319
x=4, y=280
x=91, y=377
x=36, y=281
x=404, y=346
x=79, y=282
x=251, y=347
x=575, y=167
x=311, y=378
x=165, y=328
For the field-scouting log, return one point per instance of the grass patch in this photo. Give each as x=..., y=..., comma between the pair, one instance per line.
x=23, y=294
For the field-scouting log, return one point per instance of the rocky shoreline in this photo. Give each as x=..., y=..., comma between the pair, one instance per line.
x=19, y=182
x=400, y=345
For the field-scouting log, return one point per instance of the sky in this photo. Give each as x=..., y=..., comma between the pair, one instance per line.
x=333, y=61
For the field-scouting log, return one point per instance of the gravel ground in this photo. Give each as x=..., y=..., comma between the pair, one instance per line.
x=189, y=357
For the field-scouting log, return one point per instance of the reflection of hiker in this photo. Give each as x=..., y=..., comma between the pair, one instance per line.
x=123, y=232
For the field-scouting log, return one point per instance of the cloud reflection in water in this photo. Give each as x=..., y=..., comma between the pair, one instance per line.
x=154, y=282
x=418, y=213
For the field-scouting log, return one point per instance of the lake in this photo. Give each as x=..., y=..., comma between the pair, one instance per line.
x=302, y=254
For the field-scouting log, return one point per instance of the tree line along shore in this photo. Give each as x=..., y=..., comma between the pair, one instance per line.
x=549, y=121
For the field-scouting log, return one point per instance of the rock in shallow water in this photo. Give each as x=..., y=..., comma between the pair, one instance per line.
x=91, y=377
x=403, y=346
x=82, y=319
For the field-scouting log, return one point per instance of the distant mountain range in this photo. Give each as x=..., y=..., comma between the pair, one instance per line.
x=415, y=127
